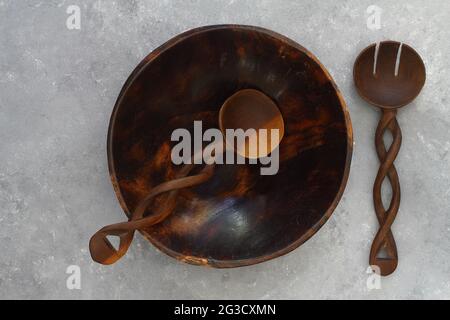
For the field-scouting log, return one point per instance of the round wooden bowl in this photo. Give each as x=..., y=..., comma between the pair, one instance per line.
x=239, y=217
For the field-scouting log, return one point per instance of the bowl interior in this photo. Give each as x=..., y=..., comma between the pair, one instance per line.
x=239, y=217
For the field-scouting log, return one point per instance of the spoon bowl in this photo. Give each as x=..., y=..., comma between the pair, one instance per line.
x=252, y=109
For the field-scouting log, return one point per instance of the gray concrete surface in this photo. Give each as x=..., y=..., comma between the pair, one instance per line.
x=58, y=87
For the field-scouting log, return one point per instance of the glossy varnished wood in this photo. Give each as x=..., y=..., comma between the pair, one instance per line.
x=237, y=217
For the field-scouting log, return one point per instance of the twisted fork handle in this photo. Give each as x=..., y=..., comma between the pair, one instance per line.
x=384, y=238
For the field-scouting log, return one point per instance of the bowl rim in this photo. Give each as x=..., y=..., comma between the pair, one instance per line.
x=209, y=261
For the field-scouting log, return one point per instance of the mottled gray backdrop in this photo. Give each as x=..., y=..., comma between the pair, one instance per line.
x=57, y=90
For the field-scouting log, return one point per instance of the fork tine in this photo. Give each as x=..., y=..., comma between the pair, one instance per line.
x=408, y=67
x=366, y=61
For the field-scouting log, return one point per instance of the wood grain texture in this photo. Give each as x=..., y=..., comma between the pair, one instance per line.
x=238, y=217
x=384, y=237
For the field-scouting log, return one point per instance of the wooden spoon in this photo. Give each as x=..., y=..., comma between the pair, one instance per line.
x=389, y=79
x=245, y=109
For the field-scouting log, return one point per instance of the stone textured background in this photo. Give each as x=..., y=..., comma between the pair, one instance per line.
x=57, y=90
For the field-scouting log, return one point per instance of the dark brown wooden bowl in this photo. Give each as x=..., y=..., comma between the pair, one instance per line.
x=239, y=217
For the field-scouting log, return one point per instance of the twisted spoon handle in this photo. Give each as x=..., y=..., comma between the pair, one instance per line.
x=384, y=238
x=101, y=249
